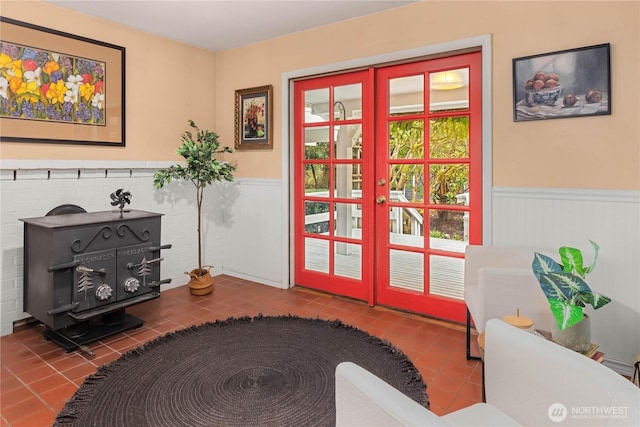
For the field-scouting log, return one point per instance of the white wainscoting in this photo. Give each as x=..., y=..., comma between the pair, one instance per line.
x=245, y=232
x=550, y=218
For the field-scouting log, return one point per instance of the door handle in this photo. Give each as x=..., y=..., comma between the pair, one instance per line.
x=380, y=200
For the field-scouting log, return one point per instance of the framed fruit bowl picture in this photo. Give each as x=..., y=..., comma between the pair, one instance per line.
x=57, y=87
x=254, y=118
x=566, y=83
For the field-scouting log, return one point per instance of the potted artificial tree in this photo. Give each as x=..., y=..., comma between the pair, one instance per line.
x=202, y=168
x=564, y=286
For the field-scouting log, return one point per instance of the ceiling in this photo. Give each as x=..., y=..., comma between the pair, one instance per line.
x=223, y=24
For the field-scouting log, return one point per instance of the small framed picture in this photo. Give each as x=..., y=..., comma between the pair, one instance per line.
x=566, y=83
x=254, y=117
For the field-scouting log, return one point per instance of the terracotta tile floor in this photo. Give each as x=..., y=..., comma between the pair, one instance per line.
x=38, y=377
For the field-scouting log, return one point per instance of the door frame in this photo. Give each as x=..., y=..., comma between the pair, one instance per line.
x=483, y=42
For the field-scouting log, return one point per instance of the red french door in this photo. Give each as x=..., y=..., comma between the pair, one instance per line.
x=387, y=193
x=333, y=158
x=428, y=173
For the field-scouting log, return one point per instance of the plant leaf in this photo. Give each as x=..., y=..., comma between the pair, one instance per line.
x=572, y=260
x=555, y=289
x=570, y=282
x=566, y=315
x=596, y=249
x=543, y=264
x=595, y=299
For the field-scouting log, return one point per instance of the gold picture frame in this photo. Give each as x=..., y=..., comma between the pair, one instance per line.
x=60, y=88
x=254, y=118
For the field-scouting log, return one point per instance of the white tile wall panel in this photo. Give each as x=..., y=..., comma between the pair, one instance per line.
x=63, y=173
x=92, y=173
x=38, y=174
x=6, y=175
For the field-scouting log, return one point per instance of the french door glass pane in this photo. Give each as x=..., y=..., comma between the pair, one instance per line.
x=347, y=102
x=348, y=260
x=347, y=181
x=312, y=98
x=347, y=219
x=449, y=90
x=447, y=230
x=449, y=137
x=316, y=217
x=316, y=180
x=406, y=95
x=406, y=139
x=406, y=183
x=448, y=182
x=348, y=141
x=406, y=227
x=316, y=255
x=316, y=143
x=447, y=275
x=406, y=270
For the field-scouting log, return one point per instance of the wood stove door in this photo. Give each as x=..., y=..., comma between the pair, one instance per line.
x=138, y=271
x=94, y=280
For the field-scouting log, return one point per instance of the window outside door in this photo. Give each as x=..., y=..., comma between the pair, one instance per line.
x=388, y=193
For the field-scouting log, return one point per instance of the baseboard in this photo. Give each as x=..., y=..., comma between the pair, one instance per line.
x=251, y=278
x=624, y=369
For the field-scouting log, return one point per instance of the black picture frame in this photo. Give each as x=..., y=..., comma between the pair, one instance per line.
x=52, y=57
x=254, y=118
x=562, y=84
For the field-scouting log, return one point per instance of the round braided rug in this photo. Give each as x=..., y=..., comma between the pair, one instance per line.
x=261, y=371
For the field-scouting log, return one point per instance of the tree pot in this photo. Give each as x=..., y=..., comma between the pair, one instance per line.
x=577, y=337
x=200, y=284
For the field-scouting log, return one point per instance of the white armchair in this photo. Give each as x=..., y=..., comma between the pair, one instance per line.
x=530, y=381
x=498, y=281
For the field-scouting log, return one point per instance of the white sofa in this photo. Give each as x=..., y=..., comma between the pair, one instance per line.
x=529, y=381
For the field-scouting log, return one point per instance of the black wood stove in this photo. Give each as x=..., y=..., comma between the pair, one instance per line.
x=82, y=270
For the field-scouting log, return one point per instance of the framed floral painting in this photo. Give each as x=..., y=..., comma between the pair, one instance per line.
x=57, y=87
x=254, y=117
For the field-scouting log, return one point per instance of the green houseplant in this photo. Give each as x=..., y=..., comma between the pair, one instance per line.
x=564, y=286
x=202, y=168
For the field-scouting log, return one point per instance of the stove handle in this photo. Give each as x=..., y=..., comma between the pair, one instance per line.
x=63, y=266
x=157, y=248
x=158, y=283
x=83, y=269
x=131, y=265
x=63, y=309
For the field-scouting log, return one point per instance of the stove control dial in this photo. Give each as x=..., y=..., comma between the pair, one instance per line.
x=104, y=292
x=131, y=284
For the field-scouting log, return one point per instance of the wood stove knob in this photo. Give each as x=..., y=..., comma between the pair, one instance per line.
x=104, y=292
x=131, y=284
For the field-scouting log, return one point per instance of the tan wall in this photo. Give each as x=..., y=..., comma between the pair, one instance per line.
x=595, y=152
x=167, y=83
